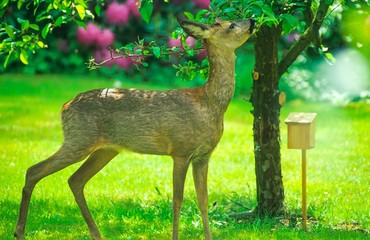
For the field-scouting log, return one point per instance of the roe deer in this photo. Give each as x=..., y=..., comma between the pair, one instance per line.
x=185, y=124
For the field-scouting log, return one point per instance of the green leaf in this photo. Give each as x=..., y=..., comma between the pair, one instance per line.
x=97, y=9
x=46, y=30
x=267, y=9
x=205, y=63
x=3, y=3
x=190, y=52
x=289, y=23
x=81, y=11
x=329, y=58
x=9, y=31
x=139, y=51
x=229, y=10
x=79, y=2
x=189, y=15
x=146, y=10
x=175, y=34
x=20, y=3
x=80, y=23
x=157, y=51
x=21, y=21
x=24, y=23
x=200, y=14
x=59, y=21
x=7, y=58
x=42, y=16
x=35, y=27
x=40, y=44
x=24, y=57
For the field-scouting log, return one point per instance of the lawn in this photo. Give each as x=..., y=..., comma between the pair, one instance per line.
x=131, y=197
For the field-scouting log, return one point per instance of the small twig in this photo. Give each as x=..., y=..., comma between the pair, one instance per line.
x=334, y=8
x=238, y=203
x=169, y=51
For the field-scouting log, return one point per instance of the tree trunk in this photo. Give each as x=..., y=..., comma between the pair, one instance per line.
x=266, y=112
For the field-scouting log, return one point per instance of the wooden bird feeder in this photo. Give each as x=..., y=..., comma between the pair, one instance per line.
x=301, y=130
x=301, y=135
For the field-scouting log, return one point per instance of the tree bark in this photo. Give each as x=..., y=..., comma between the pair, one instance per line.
x=266, y=109
x=266, y=112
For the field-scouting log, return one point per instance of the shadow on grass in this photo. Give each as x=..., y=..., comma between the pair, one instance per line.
x=139, y=219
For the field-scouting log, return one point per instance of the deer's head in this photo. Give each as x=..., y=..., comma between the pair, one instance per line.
x=225, y=34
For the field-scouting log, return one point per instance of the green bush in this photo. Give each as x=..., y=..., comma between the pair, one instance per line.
x=67, y=53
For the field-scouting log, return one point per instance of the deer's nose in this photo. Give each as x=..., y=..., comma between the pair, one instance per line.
x=251, y=26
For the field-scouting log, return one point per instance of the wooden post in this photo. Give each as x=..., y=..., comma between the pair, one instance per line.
x=301, y=135
x=304, y=191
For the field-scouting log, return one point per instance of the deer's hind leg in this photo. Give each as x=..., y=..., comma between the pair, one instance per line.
x=78, y=180
x=64, y=157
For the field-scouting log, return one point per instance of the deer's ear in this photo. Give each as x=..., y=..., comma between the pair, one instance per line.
x=194, y=29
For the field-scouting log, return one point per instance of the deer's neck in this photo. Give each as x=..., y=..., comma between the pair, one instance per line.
x=220, y=86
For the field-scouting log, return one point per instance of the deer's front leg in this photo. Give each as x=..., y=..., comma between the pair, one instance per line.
x=180, y=168
x=200, y=172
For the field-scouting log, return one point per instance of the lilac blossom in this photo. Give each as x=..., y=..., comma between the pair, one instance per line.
x=190, y=41
x=88, y=36
x=118, y=14
x=93, y=36
x=105, y=38
x=133, y=6
x=292, y=37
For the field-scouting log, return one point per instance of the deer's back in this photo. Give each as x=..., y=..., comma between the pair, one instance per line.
x=154, y=122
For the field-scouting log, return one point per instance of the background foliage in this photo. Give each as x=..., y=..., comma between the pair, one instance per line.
x=48, y=37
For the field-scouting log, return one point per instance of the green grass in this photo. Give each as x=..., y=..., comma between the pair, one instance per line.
x=131, y=197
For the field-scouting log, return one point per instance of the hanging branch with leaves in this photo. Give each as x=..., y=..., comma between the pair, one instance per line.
x=30, y=34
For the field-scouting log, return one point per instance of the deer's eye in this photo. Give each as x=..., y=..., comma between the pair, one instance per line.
x=232, y=26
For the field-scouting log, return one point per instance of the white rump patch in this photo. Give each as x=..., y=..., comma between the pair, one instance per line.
x=111, y=93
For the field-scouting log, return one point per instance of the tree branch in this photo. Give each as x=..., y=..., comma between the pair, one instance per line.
x=310, y=35
x=93, y=64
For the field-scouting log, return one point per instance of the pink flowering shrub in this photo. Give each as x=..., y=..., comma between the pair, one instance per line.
x=105, y=38
x=88, y=36
x=117, y=14
x=190, y=41
x=133, y=6
x=292, y=37
x=202, y=54
x=93, y=36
